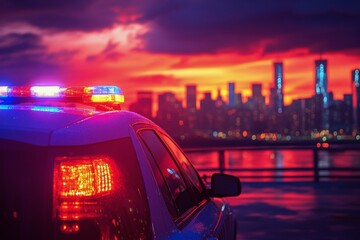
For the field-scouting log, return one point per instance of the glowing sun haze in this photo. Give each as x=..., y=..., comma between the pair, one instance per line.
x=164, y=45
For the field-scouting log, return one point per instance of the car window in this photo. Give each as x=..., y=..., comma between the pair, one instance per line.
x=187, y=168
x=161, y=183
x=180, y=193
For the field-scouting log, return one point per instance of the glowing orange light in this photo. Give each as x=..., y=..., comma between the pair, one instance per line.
x=244, y=133
x=73, y=92
x=77, y=180
x=318, y=145
x=108, y=98
x=83, y=178
x=80, y=182
x=325, y=145
x=79, y=210
x=70, y=228
x=103, y=174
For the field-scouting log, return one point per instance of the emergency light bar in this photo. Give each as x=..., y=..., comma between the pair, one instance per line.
x=94, y=94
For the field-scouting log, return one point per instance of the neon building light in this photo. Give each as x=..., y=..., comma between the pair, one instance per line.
x=321, y=81
x=279, y=81
x=355, y=86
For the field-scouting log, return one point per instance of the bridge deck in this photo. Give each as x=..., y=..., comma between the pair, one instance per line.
x=325, y=210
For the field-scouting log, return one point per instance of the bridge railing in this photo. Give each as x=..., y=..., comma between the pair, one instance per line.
x=275, y=173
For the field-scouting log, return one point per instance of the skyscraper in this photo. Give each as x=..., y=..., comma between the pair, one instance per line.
x=355, y=82
x=314, y=113
x=207, y=108
x=167, y=102
x=191, y=98
x=207, y=104
x=170, y=112
x=279, y=81
x=256, y=89
x=321, y=80
x=272, y=99
x=219, y=100
x=321, y=89
x=238, y=100
x=231, y=94
x=257, y=97
x=348, y=113
x=257, y=106
x=143, y=105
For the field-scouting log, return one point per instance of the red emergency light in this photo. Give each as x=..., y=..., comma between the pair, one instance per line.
x=80, y=186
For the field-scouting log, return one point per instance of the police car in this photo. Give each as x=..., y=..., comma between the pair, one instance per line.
x=75, y=166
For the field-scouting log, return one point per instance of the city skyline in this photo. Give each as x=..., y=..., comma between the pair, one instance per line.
x=311, y=117
x=278, y=84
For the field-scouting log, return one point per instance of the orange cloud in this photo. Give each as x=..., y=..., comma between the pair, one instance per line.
x=116, y=56
x=139, y=70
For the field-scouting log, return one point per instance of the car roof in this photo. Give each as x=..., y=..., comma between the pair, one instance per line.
x=63, y=125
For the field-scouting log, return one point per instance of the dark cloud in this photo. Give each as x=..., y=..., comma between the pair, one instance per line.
x=27, y=69
x=320, y=33
x=80, y=15
x=19, y=50
x=204, y=26
x=42, y=4
x=108, y=53
x=14, y=43
x=23, y=57
x=192, y=27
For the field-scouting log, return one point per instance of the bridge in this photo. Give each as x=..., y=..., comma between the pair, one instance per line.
x=346, y=173
x=314, y=206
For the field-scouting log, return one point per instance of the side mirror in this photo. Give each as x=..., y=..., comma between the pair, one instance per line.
x=224, y=185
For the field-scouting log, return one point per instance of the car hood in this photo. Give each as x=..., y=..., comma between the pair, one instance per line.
x=34, y=124
x=59, y=126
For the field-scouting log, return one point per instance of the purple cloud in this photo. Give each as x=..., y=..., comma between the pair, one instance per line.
x=79, y=15
x=23, y=57
x=199, y=26
x=109, y=53
x=192, y=27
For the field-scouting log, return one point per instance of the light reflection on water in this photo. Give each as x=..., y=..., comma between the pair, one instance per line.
x=279, y=159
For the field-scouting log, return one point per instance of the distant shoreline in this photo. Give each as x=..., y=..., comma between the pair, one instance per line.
x=311, y=143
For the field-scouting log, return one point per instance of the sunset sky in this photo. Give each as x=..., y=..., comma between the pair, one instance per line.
x=162, y=45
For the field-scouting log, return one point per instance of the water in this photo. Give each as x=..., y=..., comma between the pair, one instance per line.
x=280, y=159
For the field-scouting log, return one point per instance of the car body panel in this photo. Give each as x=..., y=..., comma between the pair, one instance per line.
x=162, y=224
x=62, y=126
x=66, y=126
x=209, y=222
x=210, y=219
x=30, y=125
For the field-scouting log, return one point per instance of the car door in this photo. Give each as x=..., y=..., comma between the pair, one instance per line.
x=195, y=215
